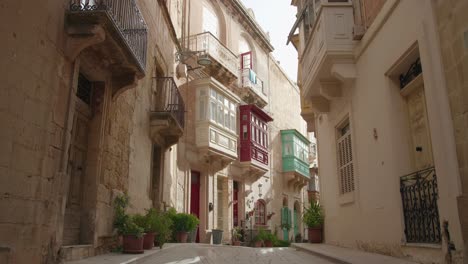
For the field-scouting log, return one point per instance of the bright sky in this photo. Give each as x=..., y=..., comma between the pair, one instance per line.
x=277, y=17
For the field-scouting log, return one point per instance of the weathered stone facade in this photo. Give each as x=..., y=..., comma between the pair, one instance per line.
x=452, y=25
x=38, y=107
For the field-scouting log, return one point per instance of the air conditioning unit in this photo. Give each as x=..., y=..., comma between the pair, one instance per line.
x=358, y=32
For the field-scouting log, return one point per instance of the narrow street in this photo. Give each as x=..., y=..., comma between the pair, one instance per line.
x=197, y=253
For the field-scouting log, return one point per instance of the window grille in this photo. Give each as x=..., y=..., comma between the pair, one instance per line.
x=345, y=159
x=84, y=90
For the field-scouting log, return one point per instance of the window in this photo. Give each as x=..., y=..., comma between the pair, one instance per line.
x=345, y=158
x=219, y=109
x=260, y=212
x=210, y=21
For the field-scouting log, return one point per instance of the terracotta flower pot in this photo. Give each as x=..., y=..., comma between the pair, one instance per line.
x=315, y=234
x=132, y=244
x=148, y=240
x=182, y=237
x=236, y=243
x=268, y=243
x=258, y=244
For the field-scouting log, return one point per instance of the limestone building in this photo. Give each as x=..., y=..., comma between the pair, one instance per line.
x=382, y=87
x=94, y=102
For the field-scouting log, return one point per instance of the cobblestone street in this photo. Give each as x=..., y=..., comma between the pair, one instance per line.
x=195, y=253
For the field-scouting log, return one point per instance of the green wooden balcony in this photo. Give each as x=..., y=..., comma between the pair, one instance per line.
x=295, y=153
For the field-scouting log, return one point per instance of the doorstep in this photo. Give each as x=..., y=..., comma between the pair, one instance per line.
x=120, y=258
x=347, y=256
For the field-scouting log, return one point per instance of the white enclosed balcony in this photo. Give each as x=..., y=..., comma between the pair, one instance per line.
x=216, y=120
x=328, y=58
x=252, y=88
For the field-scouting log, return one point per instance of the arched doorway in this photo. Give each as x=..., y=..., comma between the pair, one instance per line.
x=297, y=219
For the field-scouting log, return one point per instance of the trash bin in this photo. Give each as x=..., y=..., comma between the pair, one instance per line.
x=217, y=236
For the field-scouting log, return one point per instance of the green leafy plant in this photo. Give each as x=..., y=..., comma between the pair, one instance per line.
x=185, y=222
x=141, y=221
x=286, y=226
x=236, y=234
x=261, y=235
x=269, y=237
x=130, y=227
x=164, y=228
x=281, y=243
x=121, y=218
x=313, y=216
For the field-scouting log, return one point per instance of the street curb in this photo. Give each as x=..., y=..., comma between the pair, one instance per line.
x=320, y=254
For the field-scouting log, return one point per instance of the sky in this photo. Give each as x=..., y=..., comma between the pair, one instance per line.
x=277, y=17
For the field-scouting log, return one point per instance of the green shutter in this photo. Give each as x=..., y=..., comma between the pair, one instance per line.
x=289, y=217
x=284, y=215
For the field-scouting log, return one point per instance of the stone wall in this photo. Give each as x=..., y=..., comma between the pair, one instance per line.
x=452, y=23
x=33, y=105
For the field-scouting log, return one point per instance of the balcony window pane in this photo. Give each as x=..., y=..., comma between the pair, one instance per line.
x=233, y=123
x=226, y=119
x=202, y=113
x=213, y=111
x=220, y=115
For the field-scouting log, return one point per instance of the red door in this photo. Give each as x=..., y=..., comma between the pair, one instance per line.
x=195, y=198
x=235, y=208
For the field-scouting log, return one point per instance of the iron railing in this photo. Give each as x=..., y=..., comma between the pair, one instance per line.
x=414, y=71
x=419, y=195
x=207, y=44
x=250, y=80
x=169, y=99
x=126, y=17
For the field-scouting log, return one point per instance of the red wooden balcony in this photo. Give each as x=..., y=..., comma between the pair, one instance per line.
x=254, y=140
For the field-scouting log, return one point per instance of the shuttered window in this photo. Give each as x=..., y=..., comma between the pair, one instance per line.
x=345, y=159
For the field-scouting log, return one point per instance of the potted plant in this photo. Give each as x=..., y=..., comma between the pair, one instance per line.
x=164, y=229
x=259, y=238
x=236, y=235
x=313, y=219
x=184, y=223
x=269, y=239
x=132, y=236
x=150, y=223
x=121, y=217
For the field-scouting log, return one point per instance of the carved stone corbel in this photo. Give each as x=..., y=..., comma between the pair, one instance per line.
x=81, y=37
x=122, y=83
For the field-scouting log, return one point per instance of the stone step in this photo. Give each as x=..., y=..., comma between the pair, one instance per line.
x=76, y=252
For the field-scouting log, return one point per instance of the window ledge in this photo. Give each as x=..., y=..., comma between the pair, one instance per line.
x=422, y=245
x=347, y=198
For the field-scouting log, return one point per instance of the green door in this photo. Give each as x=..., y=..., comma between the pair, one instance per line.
x=285, y=221
x=296, y=223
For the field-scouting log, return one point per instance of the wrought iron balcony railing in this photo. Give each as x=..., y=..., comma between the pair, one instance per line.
x=419, y=194
x=126, y=17
x=169, y=100
x=207, y=44
x=251, y=80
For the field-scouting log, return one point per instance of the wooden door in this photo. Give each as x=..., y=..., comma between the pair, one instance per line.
x=421, y=147
x=235, y=207
x=78, y=149
x=195, y=198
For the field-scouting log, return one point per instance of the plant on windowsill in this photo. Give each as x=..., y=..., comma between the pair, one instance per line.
x=313, y=218
x=286, y=226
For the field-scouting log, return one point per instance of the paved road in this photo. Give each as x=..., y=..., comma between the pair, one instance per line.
x=207, y=254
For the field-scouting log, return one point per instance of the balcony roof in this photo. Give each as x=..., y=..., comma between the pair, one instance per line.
x=258, y=111
x=297, y=133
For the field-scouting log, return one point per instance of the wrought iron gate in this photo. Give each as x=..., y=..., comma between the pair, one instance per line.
x=419, y=195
